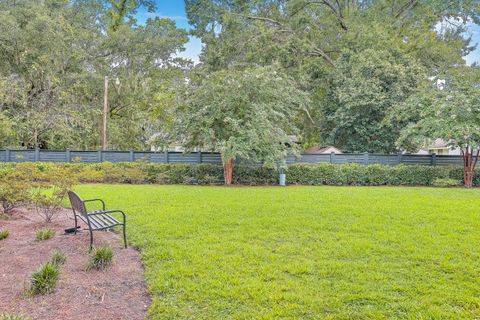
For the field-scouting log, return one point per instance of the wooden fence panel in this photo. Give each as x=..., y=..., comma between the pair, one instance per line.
x=95, y=156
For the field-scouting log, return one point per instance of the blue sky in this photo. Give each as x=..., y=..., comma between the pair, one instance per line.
x=175, y=10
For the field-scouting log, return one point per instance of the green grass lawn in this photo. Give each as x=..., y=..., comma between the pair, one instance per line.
x=304, y=252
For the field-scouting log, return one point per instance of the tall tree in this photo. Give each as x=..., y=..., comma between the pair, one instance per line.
x=54, y=56
x=241, y=114
x=448, y=109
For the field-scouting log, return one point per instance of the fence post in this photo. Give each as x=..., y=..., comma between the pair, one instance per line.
x=434, y=159
x=132, y=158
x=332, y=157
x=199, y=157
x=100, y=156
x=68, y=157
x=365, y=159
x=165, y=157
x=36, y=155
x=400, y=160
x=7, y=155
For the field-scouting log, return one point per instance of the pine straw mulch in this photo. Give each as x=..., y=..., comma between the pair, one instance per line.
x=119, y=292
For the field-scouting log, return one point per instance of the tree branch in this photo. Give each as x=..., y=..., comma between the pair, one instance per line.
x=337, y=12
x=407, y=6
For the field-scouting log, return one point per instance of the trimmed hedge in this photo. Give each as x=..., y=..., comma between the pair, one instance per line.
x=372, y=175
x=206, y=174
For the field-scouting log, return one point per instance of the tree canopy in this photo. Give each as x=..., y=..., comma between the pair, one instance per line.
x=54, y=56
x=448, y=110
x=358, y=60
x=244, y=114
x=351, y=72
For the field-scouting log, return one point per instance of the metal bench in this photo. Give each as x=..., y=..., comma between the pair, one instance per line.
x=96, y=220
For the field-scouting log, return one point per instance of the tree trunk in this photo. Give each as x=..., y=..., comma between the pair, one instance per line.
x=469, y=164
x=228, y=171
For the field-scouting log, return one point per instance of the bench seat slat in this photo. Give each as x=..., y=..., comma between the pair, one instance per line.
x=95, y=219
x=111, y=219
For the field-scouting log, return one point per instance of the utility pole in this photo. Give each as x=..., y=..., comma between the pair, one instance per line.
x=104, y=131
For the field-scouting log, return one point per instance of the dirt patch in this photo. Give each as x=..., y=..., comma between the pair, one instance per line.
x=118, y=293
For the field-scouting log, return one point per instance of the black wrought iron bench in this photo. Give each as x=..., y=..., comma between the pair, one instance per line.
x=96, y=220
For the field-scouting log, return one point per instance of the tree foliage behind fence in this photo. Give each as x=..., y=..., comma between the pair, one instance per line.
x=75, y=156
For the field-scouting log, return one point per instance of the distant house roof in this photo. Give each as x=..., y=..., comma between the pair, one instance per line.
x=320, y=150
x=440, y=144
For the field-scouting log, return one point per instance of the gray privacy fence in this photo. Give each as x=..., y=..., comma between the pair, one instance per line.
x=214, y=158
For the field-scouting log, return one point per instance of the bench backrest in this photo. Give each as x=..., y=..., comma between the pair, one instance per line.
x=78, y=206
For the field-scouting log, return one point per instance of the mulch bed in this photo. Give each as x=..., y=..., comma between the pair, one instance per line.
x=119, y=292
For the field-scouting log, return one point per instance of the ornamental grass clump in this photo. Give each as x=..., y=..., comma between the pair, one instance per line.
x=4, y=234
x=44, y=280
x=58, y=258
x=44, y=234
x=100, y=259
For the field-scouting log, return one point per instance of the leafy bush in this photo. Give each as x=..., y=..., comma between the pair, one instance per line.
x=58, y=258
x=49, y=198
x=61, y=176
x=372, y=175
x=4, y=234
x=446, y=182
x=44, y=280
x=44, y=234
x=100, y=259
x=14, y=189
x=5, y=316
x=47, y=205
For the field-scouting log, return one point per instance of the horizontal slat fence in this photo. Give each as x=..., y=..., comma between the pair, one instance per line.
x=75, y=156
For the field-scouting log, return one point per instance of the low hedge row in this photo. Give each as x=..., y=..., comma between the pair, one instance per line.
x=204, y=174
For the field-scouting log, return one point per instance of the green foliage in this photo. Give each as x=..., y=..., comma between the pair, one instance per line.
x=58, y=258
x=372, y=175
x=44, y=280
x=14, y=191
x=204, y=174
x=304, y=252
x=44, y=234
x=357, y=60
x=446, y=182
x=241, y=114
x=4, y=234
x=54, y=56
x=449, y=111
x=100, y=259
x=5, y=316
x=366, y=87
x=48, y=199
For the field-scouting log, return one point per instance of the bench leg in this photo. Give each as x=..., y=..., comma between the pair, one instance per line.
x=76, y=224
x=91, y=239
x=124, y=235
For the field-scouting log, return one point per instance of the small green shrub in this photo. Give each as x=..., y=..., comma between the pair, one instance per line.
x=446, y=182
x=5, y=316
x=49, y=198
x=13, y=192
x=44, y=280
x=4, y=234
x=44, y=234
x=100, y=259
x=58, y=258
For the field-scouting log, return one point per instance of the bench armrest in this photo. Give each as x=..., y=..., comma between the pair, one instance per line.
x=100, y=200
